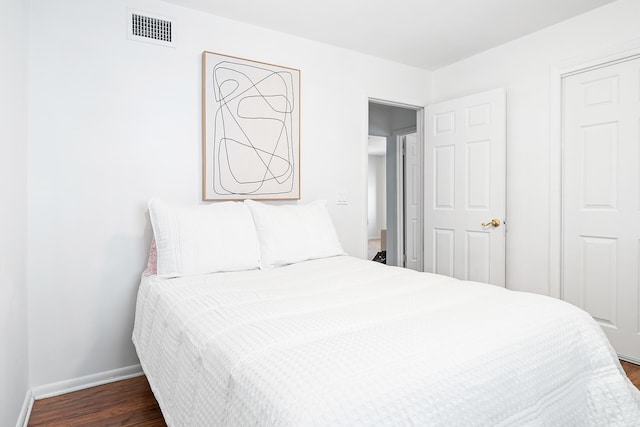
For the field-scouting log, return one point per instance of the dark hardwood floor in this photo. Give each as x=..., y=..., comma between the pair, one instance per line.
x=131, y=403
x=122, y=403
x=632, y=371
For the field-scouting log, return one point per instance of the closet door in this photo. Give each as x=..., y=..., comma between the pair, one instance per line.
x=601, y=199
x=413, y=232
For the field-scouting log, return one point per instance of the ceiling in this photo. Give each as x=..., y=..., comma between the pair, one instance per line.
x=424, y=33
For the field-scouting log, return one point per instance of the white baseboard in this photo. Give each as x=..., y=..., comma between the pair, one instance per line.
x=25, y=412
x=629, y=359
x=80, y=383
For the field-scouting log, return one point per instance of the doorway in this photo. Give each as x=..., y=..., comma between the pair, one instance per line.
x=395, y=184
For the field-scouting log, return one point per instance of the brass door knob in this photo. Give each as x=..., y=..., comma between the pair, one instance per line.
x=494, y=223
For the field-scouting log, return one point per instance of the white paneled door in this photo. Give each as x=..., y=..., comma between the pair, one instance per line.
x=465, y=187
x=412, y=203
x=601, y=199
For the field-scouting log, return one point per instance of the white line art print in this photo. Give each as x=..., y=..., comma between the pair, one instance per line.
x=251, y=133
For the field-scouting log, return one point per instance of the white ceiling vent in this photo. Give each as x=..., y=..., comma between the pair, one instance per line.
x=145, y=27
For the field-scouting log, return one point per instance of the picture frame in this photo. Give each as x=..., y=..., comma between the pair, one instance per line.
x=251, y=129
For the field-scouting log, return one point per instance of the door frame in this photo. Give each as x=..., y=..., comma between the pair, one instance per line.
x=420, y=135
x=596, y=58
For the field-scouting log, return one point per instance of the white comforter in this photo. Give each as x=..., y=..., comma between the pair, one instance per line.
x=342, y=341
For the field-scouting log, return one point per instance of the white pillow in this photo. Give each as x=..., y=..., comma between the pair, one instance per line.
x=294, y=233
x=203, y=239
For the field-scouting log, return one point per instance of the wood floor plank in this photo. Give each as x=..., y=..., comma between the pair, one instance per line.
x=632, y=371
x=131, y=403
x=122, y=403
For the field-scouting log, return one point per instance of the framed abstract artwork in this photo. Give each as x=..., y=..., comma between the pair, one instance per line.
x=251, y=129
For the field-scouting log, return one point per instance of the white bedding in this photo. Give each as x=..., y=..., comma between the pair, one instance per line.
x=343, y=341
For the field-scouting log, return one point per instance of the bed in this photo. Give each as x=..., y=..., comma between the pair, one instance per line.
x=336, y=340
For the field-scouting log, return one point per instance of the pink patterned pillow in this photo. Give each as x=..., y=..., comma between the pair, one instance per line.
x=152, y=263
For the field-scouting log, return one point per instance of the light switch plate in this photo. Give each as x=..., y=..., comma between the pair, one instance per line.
x=341, y=198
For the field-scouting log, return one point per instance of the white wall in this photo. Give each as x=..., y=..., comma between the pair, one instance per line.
x=115, y=122
x=377, y=195
x=14, y=370
x=523, y=68
x=372, y=197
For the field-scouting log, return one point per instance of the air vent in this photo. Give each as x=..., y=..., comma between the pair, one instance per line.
x=150, y=28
